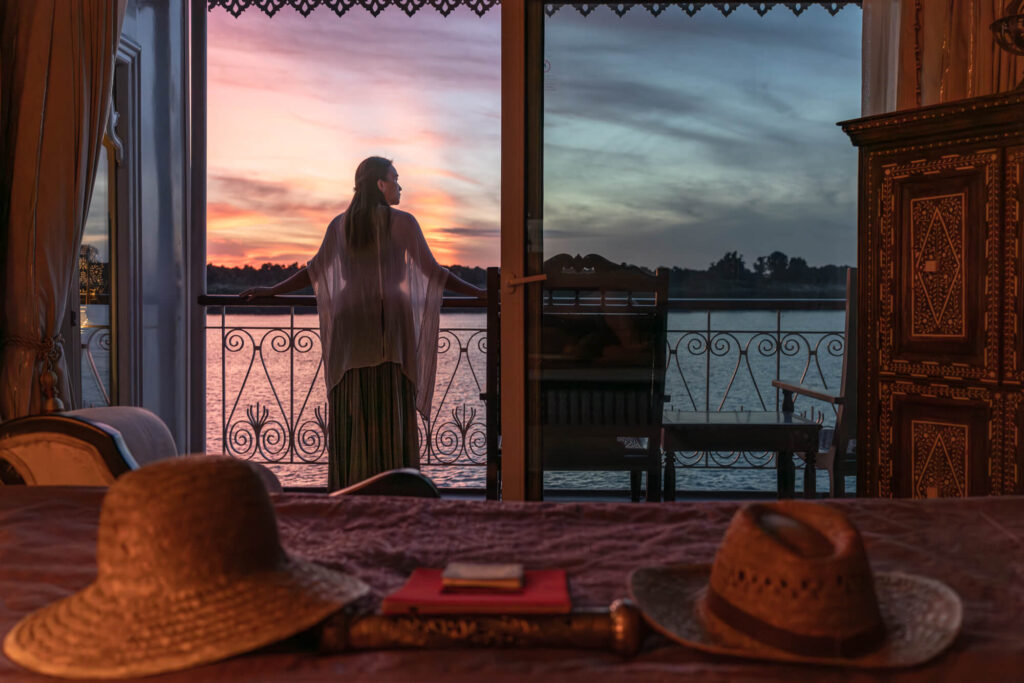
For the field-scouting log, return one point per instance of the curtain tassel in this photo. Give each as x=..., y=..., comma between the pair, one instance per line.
x=48, y=353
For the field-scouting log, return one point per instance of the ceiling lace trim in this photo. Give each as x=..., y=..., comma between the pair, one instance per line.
x=481, y=7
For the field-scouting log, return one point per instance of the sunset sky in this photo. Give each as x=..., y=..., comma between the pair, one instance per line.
x=668, y=140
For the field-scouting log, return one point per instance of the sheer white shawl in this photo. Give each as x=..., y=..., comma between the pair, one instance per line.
x=379, y=304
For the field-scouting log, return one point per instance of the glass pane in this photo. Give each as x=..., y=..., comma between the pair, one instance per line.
x=295, y=103
x=94, y=290
x=705, y=146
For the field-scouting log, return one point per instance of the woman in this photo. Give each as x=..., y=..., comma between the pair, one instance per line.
x=378, y=292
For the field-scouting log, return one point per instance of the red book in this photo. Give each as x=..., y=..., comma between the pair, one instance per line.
x=545, y=591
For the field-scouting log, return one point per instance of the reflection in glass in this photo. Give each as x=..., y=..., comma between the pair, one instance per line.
x=706, y=146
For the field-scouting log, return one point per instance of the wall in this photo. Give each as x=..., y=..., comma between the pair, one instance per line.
x=160, y=28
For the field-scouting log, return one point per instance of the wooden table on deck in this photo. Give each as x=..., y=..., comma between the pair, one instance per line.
x=784, y=433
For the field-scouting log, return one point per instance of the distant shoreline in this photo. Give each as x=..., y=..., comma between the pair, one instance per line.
x=676, y=305
x=776, y=276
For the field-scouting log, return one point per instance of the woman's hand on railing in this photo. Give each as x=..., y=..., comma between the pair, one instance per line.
x=257, y=293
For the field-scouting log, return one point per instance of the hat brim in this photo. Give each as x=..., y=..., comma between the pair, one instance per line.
x=98, y=633
x=922, y=618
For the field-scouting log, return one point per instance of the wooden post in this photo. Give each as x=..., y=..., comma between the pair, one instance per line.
x=513, y=252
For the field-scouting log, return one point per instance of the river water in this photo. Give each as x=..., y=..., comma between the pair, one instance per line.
x=286, y=379
x=738, y=369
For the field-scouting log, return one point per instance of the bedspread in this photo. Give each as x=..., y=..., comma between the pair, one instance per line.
x=47, y=551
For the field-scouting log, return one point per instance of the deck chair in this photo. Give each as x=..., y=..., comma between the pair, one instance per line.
x=838, y=456
x=603, y=367
x=406, y=482
x=89, y=447
x=491, y=396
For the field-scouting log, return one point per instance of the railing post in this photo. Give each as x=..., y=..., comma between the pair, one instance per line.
x=223, y=380
x=778, y=352
x=292, y=426
x=491, y=396
x=707, y=365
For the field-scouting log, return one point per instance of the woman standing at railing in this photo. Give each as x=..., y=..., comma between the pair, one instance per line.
x=378, y=293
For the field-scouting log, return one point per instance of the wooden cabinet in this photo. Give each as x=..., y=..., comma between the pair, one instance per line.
x=941, y=363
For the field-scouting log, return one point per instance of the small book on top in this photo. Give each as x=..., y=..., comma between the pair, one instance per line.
x=462, y=576
x=544, y=591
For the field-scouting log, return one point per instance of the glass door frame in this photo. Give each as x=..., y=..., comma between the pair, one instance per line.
x=522, y=179
x=522, y=47
x=513, y=247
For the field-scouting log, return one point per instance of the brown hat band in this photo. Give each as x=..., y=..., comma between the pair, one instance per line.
x=799, y=643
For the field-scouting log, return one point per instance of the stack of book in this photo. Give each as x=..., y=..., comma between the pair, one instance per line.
x=472, y=588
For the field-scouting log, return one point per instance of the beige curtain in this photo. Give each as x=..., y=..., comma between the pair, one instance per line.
x=921, y=52
x=57, y=69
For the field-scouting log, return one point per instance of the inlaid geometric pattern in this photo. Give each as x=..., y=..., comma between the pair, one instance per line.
x=939, y=458
x=937, y=228
x=1013, y=364
x=891, y=462
x=1011, y=459
x=922, y=287
x=900, y=384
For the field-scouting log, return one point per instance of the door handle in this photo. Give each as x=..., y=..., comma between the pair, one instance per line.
x=513, y=282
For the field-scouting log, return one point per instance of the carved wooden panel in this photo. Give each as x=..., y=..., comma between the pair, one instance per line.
x=939, y=441
x=1013, y=444
x=938, y=266
x=1013, y=231
x=937, y=247
x=941, y=301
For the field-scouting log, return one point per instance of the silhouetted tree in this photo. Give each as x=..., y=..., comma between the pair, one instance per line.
x=798, y=270
x=730, y=267
x=761, y=267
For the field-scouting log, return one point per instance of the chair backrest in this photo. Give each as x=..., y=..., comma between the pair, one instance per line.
x=147, y=437
x=58, y=450
x=81, y=448
x=603, y=363
x=846, y=414
x=407, y=482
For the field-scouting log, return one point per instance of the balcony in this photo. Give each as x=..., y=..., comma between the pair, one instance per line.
x=266, y=400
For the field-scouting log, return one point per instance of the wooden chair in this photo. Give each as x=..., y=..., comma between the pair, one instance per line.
x=406, y=481
x=839, y=457
x=90, y=447
x=602, y=398
x=491, y=396
x=603, y=361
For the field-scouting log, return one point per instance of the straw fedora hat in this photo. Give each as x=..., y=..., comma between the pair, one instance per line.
x=189, y=570
x=791, y=582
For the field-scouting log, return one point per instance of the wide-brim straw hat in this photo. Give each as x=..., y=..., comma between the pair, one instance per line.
x=190, y=571
x=764, y=598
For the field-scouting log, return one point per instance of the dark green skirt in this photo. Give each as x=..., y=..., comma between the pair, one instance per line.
x=371, y=426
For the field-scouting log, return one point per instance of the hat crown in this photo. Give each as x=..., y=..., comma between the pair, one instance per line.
x=185, y=524
x=799, y=568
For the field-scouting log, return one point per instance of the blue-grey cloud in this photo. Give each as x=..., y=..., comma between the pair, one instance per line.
x=668, y=141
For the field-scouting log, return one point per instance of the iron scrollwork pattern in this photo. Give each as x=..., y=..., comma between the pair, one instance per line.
x=273, y=403
x=719, y=369
x=96, y=342
x=481, y=7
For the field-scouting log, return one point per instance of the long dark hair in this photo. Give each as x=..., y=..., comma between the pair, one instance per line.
x=363, y=215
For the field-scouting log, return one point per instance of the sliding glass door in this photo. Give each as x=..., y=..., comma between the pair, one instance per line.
x=698, y=147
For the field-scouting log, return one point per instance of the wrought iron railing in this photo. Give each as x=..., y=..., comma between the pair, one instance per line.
x=270, y=403
x=95, y=342
x=733, y=368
